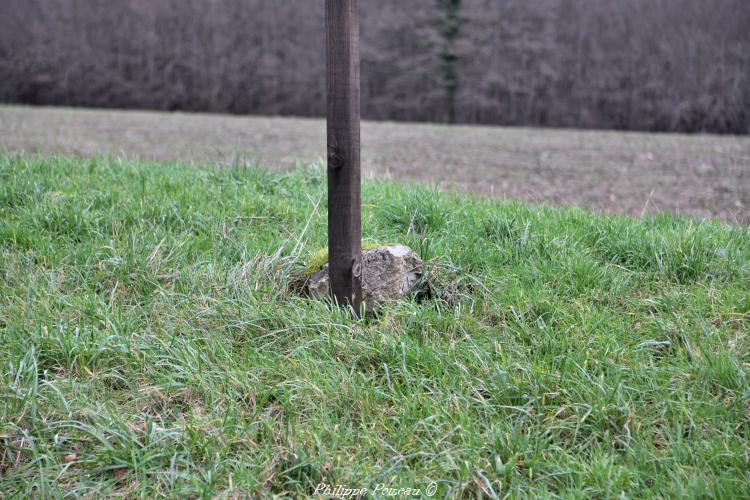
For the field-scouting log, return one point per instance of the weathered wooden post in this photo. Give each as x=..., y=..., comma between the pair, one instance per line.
x=344, y=216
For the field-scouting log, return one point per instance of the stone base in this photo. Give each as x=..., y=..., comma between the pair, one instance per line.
x=388, y=274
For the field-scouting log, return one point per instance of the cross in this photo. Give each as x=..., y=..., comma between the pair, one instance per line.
x=343, y=117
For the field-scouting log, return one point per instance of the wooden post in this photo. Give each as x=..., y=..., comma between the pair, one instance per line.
x=344, y=216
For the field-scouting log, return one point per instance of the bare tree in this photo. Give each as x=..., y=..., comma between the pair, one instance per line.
x=678, y=65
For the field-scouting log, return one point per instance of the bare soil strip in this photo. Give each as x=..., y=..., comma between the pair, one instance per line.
x=632, y=173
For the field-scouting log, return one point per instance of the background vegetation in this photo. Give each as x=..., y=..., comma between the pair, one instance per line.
x=674, y=65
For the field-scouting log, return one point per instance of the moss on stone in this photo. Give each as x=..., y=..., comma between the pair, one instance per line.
x=319, y=258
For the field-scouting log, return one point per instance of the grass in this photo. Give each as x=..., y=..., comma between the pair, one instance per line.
x=151, y=343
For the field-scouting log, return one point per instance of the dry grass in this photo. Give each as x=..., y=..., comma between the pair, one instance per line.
x=703, y=176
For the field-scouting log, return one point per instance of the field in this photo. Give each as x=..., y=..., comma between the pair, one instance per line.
x=154, y=340
x=631, y=173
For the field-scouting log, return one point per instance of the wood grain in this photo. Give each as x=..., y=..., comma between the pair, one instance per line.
x=343, y=131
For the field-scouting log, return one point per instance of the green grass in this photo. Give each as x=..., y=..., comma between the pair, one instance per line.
x=152, y=343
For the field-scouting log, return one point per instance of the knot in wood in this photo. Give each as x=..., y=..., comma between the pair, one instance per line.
x=335, y=160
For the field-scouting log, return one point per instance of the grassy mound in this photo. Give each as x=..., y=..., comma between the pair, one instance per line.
x=150, y=343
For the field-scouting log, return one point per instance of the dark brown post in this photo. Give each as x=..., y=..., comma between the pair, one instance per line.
x=344, y=219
